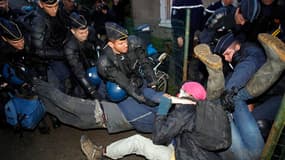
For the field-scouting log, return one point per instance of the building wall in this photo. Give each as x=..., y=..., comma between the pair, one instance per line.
x=148, y=11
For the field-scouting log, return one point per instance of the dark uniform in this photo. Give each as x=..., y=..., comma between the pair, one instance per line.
x=81, y=56
x=124, y=69
x=223, y=21
x=47, y=36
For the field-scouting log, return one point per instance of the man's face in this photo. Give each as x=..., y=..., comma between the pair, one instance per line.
x=119, y=46
x=19, y=44
x=228, y=2
x=239, y=19
x=80, y=34
x=4, y=5
x=229, y=52
x=267, y=2
x=50, y=9
x=68, y=5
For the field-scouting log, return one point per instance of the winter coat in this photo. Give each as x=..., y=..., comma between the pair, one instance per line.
x=195, y=137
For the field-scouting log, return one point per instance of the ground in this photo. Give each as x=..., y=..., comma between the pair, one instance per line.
x=60, y=144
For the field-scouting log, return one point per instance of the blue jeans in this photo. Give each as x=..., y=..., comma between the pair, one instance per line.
x=140, y=115
x=247, y=141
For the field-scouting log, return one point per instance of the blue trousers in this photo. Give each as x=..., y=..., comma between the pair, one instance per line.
x=140, y=115
x=247, y=141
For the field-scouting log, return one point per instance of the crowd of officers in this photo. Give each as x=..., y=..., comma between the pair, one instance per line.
x=43, y=37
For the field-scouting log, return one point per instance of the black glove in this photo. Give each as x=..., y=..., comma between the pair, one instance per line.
x=89, y=89
x=26, y=90
x=150, y=103
x=142, y=99
x=227, y=99
x=93, y=94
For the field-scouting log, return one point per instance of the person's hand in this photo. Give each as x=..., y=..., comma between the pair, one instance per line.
x=150, y=103
x=152, y=84
x=180, y=41
x=227, y=99
x=26, y=90
x=95, y=95
x=142, y=99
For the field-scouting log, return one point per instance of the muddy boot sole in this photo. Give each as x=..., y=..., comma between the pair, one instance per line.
x=91, y=151
x=203, y=52
x=274, y=47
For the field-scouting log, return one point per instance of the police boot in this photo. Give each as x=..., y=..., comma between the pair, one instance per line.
x=271, y=70
x=214, y=65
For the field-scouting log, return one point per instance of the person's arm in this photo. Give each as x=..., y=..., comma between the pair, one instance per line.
x=167, y=127
x=110, y=72
x=246, y=68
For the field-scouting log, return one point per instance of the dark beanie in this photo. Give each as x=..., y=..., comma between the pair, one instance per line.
x=115, y=31
x=77, y=21
x=250, y=9
x=10, y=30
x=224, y=42
x=49, y=1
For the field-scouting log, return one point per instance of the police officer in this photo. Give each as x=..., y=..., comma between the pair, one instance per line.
x=120, y=63
x=7, y=12
x=47, y=31
x=228, y=19
x=17, y=64
x=80, y=44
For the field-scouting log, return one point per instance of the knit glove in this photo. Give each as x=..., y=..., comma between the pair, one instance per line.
x=164, y=106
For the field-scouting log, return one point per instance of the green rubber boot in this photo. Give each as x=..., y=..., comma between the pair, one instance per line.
x=271, y=69
x=214, y=65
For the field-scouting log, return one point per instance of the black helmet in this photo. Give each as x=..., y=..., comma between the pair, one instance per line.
x=49, y=1
x=10, y=30
x=77, y=21
x=224, y=42
x=115, y=31
x=250, y=9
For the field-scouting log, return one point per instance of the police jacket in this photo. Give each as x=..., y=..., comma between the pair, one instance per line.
x=181, y=128
x=245, y=63
x=47, y=34
x=80, y=56
x=124, y=70
x=22, y=60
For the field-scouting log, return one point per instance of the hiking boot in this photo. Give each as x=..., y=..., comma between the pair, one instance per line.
x=203, y=52
x=213, y=63
x=91, y=151
x=273, y=46
x=271, y=70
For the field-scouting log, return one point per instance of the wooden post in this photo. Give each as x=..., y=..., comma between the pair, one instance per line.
x=186, y=44
x=275, y=133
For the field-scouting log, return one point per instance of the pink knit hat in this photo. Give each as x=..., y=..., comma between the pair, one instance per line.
x=195, y=89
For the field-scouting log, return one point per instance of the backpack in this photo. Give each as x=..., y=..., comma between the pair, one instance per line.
x=212, y=126
x=25, y=113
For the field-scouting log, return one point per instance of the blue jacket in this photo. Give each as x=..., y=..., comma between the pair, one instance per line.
x=246, y=62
